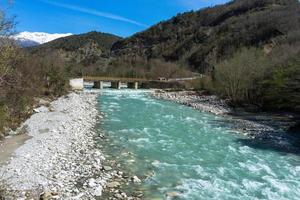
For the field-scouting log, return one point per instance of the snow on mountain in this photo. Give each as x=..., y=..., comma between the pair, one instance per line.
x=27, y=39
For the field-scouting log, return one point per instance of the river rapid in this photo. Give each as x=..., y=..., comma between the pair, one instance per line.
x=182, y=153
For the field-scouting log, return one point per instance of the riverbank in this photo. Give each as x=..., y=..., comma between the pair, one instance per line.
x=59, y=160
x=255, y=124
x=206, y=103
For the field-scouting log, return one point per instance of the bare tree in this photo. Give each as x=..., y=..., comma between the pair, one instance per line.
x=238, y=76
x=8, y=53
x=6, y=24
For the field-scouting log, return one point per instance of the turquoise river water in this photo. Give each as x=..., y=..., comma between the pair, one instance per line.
x=198, y=155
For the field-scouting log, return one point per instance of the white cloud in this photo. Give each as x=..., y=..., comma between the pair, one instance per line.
x=93, y=12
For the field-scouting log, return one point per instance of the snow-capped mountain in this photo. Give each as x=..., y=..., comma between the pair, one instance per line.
x=27, y=39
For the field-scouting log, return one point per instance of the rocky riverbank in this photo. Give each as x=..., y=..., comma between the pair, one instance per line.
x=206, y=103
x=59, y=160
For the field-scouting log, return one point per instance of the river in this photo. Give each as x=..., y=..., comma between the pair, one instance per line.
x=190, y=154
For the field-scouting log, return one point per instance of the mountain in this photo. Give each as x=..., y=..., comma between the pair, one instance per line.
x=202, y=38
x=85, y=52
x=27, y=39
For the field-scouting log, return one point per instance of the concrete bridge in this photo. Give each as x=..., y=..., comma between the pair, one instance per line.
x=132, y=83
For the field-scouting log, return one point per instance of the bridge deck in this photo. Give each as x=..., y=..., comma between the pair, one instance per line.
x=92, y=78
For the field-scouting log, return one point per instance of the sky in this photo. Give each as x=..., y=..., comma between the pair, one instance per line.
x=119, y=17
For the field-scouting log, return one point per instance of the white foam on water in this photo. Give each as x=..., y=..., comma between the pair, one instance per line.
x=297, y=168
x=257, y=168
x=231, y=148
x=115, y=120
x=140, y=141
x=251, y=185
x=197, y=187
x=278, y=185
x=190, y=119
x=168, y=116
x=128, y=131
x=114, y=103
x=221, y=171
x=215, y=188
x=114, y=106
x=245, y=150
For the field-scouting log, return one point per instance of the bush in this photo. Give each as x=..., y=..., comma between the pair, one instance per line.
x=23, y=77
x=238, y=78
x=282, y=88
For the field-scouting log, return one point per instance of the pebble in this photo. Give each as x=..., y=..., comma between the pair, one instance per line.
x=172, y=194
x=98, y=191
x=92, y=183
x=107, y=168
x=113, y=184
x=62, y=157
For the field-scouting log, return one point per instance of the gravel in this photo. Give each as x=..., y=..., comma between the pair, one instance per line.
x=206, y=103
x=59, y=160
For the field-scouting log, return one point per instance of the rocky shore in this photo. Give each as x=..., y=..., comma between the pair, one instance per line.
x=59, y=160
x=206, y=103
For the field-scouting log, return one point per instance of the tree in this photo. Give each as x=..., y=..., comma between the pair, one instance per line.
x=7, y=48
x=159, y=68
x=8, y=53
x=6, y=24
x=237, y=78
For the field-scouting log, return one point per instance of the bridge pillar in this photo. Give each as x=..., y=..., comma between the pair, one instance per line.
x=98, y=84
x=116, y=85
x=133, y=85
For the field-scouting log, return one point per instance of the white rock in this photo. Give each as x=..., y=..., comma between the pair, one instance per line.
x=92, y=183
x=41, y=109
x=135, y=179
x=98, y=191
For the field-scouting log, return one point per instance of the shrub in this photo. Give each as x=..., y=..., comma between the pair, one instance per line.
x=3, y=116
x=238, y=78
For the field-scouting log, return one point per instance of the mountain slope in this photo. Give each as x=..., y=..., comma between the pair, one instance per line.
x=200, y=39
x=28, y=39
x=86, y=52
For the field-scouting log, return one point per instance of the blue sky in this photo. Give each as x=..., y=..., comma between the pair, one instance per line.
x=120, y=17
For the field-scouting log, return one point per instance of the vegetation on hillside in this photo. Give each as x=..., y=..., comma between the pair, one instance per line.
x=140, y=68
x=203, y=38
x=86, y=54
